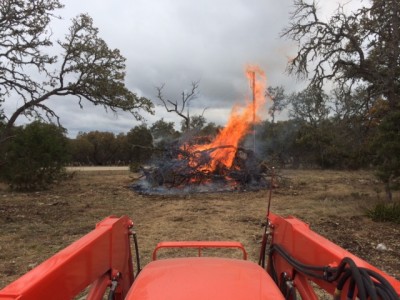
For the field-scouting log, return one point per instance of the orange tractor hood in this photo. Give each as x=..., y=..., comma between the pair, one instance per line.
x=203, y=278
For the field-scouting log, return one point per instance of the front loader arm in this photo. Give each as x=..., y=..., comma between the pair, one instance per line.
x=298, y=256
x=101, y=258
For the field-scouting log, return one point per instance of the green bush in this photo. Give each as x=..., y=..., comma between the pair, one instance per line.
x=35, y=157
x=385, y=212
x=386, y=144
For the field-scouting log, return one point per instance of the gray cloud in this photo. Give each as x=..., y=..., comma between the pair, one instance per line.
x=179, y=41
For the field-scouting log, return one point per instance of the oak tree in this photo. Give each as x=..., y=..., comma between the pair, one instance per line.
x=357, y=51
x=279, y=102
x=359, y=48
x=86, y=68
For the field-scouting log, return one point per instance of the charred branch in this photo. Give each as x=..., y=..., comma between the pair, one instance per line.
x=193, y=169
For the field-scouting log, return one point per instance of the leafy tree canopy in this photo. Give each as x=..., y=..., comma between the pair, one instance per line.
x=140, y=142
x=360, y=48
x=278, y=98
x=309, y=105
x=162, y=129
x=196, y=122
x=86, y=67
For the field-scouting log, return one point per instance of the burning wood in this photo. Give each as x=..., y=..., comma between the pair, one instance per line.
x=218, y=164
x=191, y=172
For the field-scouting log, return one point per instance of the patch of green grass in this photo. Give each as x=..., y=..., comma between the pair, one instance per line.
x=385, y=212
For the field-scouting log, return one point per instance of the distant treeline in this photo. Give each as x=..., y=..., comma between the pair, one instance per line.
x=325, y=142
x=331, y=143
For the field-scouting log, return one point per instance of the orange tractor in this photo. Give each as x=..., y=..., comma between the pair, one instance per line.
x=293, y=261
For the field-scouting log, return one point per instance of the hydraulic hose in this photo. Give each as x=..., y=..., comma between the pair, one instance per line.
x=368, y=283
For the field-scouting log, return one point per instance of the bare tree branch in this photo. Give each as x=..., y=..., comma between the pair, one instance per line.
x=179, y=107
x=360, y=47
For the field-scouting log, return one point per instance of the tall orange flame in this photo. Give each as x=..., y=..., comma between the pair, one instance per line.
x=239, y=124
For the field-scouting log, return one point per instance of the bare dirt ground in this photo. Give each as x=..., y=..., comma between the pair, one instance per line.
x=36, y=225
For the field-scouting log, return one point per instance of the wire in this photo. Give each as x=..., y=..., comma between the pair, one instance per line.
x=263, y=249
x=270, y=191
x=261, y=260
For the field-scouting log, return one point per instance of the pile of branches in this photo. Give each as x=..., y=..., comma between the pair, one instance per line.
x=178, y=167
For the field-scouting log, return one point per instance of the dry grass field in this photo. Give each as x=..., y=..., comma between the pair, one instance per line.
x=36, y=225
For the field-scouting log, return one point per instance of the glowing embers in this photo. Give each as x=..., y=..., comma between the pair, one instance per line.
x=218, y=164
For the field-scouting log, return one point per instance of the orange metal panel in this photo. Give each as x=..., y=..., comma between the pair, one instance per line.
x=99, y=287
x=203, y=278
x=71, y=270
x=304, y=288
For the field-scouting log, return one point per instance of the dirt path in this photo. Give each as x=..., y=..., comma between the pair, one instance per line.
x=98, y=168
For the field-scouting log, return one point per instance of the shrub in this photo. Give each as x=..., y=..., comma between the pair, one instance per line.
x=35, y=157
x=386, y=143
x=385, y=212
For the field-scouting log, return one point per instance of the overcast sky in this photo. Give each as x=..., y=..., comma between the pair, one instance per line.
x=175, y=42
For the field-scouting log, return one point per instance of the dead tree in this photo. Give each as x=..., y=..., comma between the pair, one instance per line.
x=181, y=106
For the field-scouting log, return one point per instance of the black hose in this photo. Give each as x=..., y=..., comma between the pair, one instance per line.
x=272, y=267
x=343, y=279
x=352, y=286
x=382, y=281
x=282, y=285
x=336, y=272
x=382, y=292
x=111, y=294
x=356, y=274
x=136, y=253
x=291, y=294
x=308, y=270
x=368, y=283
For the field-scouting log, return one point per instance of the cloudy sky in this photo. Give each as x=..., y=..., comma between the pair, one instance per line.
x=176, y=42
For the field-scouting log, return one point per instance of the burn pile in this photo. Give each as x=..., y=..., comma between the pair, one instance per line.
x=208, y=165
x=192, y=172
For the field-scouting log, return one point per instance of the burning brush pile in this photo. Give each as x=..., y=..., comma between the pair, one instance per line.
x=210, y=165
